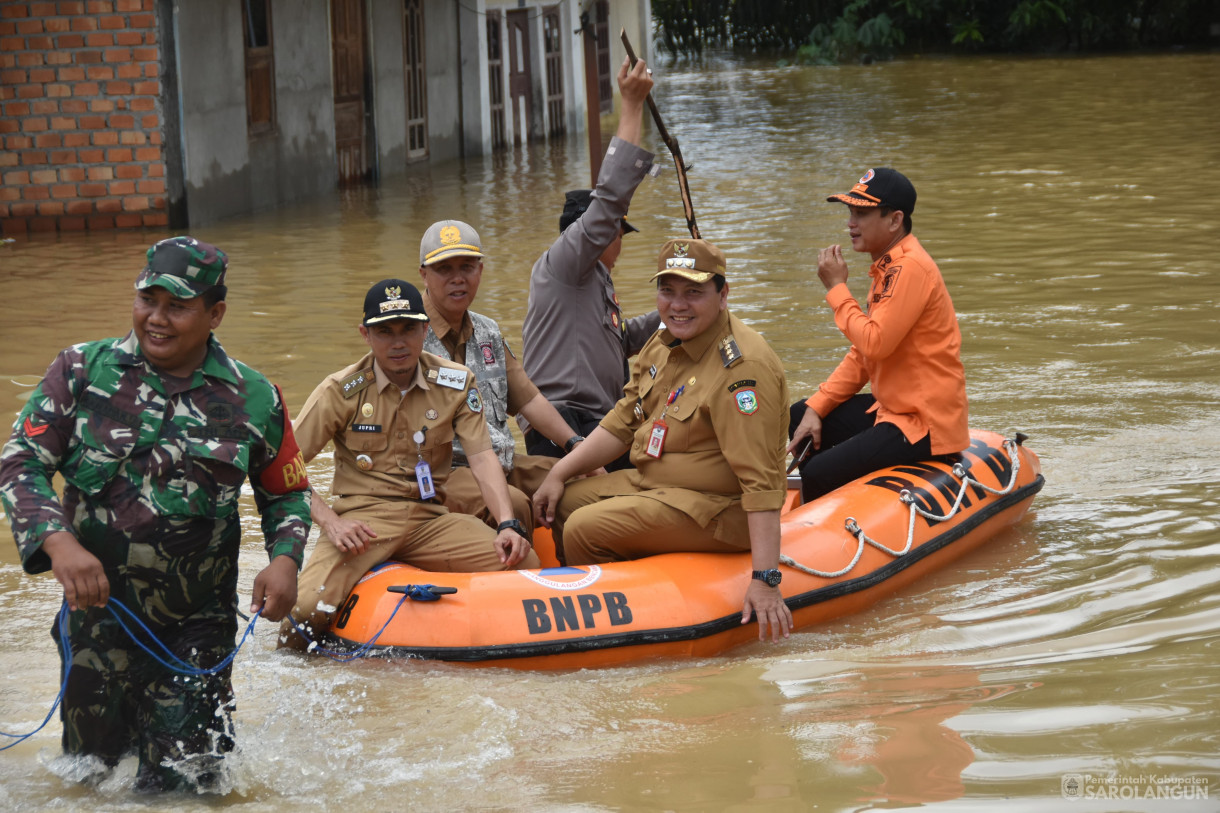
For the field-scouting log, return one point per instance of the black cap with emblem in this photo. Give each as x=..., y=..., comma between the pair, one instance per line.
x=393, y=299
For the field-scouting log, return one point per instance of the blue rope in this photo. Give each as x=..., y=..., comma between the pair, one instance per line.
x=418, y=592
x=174, y=663
x=364, y=649
x=66, y=648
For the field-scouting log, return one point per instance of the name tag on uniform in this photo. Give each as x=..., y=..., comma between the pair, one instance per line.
x=366, y=427
x=656, y=440
x=423, y=478
x=451, y=378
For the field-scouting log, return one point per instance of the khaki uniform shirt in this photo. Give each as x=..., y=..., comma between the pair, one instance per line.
x=520, y=389
x=728, y=429
x=372, y=425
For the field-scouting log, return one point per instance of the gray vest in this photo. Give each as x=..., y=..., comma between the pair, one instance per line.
x=485, y=356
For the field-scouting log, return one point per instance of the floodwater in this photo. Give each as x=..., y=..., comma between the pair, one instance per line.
x=1071, y=204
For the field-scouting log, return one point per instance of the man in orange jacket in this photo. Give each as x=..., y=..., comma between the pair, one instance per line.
x=905, y=343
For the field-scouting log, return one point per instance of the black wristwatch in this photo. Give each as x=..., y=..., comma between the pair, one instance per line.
x=771, y=578
x=516, y=526
x=572, y=441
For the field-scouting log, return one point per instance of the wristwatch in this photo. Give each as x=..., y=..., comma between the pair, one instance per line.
x=516, y=526
x=572, y=441
x=771, y=578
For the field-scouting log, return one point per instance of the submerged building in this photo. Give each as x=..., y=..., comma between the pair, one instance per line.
x=174, y=113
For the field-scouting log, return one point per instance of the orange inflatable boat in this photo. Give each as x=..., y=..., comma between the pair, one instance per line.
x=840, y=554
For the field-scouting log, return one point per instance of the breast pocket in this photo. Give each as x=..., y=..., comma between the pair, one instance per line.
x=683, y=432
x=103, y=446
x=437, y=448
x=365, y=442
x=208, y=484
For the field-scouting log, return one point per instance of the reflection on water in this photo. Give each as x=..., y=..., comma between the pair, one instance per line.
x=1067, y=203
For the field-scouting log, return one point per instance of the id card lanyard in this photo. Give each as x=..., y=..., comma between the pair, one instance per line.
x=656, y=440
x=423, y=472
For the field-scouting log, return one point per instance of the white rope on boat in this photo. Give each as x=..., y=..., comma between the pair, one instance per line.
x=853, y=528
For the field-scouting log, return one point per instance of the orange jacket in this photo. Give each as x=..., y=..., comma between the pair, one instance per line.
x=907, y=345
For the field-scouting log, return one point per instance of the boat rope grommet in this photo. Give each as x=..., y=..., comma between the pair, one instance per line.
x=907, y=498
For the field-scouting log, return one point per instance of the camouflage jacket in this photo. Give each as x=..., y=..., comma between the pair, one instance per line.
x=153, y=471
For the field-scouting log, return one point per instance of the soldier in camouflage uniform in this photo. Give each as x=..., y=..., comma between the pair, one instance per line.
x=154, y=434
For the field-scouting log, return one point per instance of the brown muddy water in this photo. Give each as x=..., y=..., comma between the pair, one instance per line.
x=1071, y=204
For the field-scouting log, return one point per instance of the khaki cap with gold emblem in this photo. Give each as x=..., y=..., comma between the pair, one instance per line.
x=695, y=260
x=449, y=238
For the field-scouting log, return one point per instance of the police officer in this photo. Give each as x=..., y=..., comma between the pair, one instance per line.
x=575, y=337
x=705, y=421
x=154, y=435
x=393, y=417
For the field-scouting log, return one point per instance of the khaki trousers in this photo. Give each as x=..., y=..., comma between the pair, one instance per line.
x=608, y=519
x=462, y=493
x=422, y=534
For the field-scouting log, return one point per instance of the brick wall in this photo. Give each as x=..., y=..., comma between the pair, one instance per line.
x=81, y=126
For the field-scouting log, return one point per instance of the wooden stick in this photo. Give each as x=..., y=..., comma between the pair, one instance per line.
x=671, y=142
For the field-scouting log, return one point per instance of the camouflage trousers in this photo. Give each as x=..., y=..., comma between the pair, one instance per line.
x=119, y=700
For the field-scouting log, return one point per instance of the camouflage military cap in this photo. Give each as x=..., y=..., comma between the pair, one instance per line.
x=184, y=266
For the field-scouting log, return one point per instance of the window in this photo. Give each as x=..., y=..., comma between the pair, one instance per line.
x=495, y=79
x=553, y=48
x=260, y=66
x=413, y=65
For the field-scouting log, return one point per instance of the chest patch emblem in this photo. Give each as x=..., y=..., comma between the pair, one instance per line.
x=489, y=355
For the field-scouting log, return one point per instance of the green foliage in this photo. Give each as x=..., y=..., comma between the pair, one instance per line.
x=834, y=31
x=848, y=39
x=967, y=33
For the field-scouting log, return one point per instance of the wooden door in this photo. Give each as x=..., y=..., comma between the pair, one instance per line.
x=519, y=73
x=348, y=47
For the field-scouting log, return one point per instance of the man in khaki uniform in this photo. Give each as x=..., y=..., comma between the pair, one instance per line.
x=451, y=267
x=705, y=419
x=393, y=417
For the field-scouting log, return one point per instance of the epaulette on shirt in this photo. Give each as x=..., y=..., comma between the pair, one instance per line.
x=356, y=382
x=729, y=352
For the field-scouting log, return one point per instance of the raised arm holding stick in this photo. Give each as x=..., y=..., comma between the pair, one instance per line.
x=672, y=143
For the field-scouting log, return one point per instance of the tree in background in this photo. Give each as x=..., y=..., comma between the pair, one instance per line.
x=833, y=31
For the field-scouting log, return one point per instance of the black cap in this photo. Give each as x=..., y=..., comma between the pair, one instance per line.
x=393, y=299
x=576, y=203
x=881, y=187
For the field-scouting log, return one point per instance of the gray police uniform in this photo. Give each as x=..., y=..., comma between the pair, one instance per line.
x=575, y=338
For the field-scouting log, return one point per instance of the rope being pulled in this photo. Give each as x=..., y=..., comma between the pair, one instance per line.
x=417, y=592
x=905, y=496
